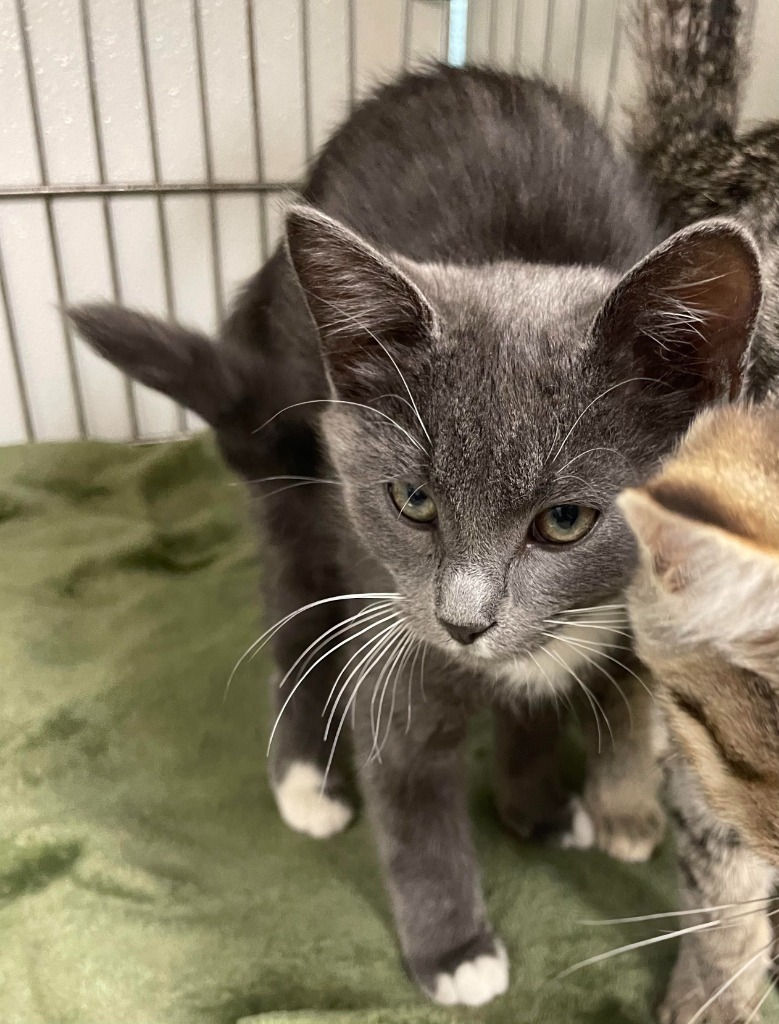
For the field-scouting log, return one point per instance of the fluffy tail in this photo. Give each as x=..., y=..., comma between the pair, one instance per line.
x=692, y=58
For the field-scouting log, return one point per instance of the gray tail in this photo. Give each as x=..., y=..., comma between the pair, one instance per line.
x=692, y=57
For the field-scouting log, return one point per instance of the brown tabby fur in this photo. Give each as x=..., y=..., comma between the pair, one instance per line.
x=705, y=610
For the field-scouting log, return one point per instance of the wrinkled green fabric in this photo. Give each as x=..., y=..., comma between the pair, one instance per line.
x=144, y=874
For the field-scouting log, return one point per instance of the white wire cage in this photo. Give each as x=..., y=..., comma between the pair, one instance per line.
x=144, y=145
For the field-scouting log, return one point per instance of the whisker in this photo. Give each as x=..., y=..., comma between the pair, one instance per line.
x=587, y=408
x=310, y=669
x=593, y=608
x=352, y=698
x=260, y=642
x=384, y=675
x=616, y=661
x=371, y=612
x=605, y=672
x=652, y=941
x=410, y=684
x=372, y=644
x=682, y=913
x=341, y=401
x=401, y=660
x=614, y=451
x=734, y=977
x=759, y=1007
x=334, y=688
x=588, y=624
x=589, y=694
x=389, y=356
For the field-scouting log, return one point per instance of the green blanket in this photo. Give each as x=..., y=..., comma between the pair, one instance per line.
x=144, y=874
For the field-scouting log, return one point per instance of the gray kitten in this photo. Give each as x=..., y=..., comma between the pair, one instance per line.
x=452, y=341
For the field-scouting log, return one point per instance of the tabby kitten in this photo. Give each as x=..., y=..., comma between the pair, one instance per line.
x=705, y=612
x=452, y=343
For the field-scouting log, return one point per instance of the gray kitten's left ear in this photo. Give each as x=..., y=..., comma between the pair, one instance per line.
x=367, y=312
x=685, y=315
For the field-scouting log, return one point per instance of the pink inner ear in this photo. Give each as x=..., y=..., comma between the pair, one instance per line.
x=722, y=289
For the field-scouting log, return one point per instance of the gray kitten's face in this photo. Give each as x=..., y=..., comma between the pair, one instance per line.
x=470, y=401
x=501, y=389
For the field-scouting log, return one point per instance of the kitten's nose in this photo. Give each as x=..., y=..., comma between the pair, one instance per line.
x=465, y=633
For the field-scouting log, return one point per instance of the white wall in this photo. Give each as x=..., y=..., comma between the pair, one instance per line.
x=133, y=92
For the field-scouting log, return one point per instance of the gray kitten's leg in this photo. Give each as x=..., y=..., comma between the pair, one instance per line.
x=716, y=869
x=623, y=774
x=530, y=798
x=416, y=797
x=297, y=577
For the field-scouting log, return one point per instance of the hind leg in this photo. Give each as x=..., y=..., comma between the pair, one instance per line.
x=529, y=794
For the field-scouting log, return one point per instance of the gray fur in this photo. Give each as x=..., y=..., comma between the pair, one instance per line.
x=474, y=232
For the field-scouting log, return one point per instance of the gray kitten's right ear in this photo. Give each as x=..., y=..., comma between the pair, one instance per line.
x=184, y=364
x=368, y=313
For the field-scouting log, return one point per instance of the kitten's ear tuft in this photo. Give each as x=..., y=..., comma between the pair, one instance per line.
x=367, y=312
x=685, y=315
x=726, y=587
x=179, y=362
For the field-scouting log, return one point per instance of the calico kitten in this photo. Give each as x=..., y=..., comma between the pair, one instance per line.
x=451, y=340
x=705, y=610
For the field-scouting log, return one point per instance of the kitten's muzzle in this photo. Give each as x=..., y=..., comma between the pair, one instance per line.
x=466, y=633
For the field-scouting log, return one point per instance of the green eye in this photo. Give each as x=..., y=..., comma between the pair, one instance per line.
x=412, y=501
x=563, y=524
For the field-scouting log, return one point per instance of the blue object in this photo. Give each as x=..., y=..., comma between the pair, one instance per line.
x=458, y=32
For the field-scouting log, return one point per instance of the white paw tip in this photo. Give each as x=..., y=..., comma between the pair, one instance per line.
x=581, y=835
x=474, y=982
x=305, y=808
x=632, y=851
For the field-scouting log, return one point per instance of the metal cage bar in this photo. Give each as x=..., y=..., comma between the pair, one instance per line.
x=511, y=33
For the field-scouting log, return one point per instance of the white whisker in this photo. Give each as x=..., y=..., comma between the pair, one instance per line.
x=589, y=694
x=372, y=645
x=759, y=1006
x=653, y=940
x=371, y=612
x=355, y=691
x=604, y=671
x=341, y=401
x=589, y=451
x=616, y=661
x=717, y=923
x=401, y=660
x=603, y=394
x=734, y=977
x=411, y=682
x=681, y=913
x=384, y=676
x=388, y=354
x=260, y=642
x=310, y=669
x=589, y=625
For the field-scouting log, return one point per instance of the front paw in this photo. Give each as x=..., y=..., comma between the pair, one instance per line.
x=306, y=806
x=628, y=834
x=468, y=979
